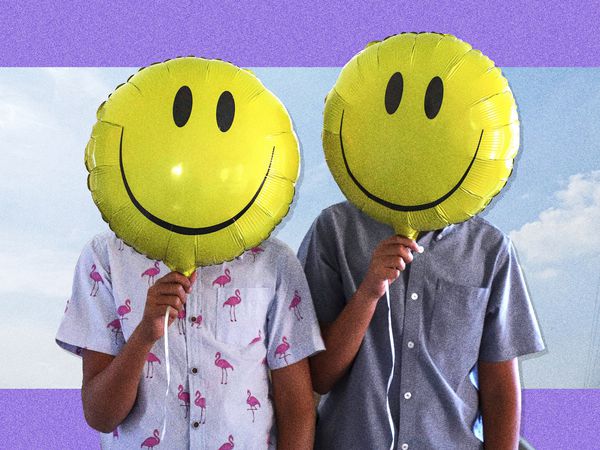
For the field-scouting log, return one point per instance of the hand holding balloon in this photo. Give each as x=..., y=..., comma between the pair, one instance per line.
x=169, y=292
x=389, y=258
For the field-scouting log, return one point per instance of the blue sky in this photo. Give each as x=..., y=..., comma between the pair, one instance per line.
x=550, y=207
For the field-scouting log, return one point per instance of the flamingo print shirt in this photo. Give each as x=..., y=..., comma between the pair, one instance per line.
x=243, y=318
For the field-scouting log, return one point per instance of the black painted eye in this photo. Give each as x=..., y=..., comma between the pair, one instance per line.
x=434, y=97
x=225, y=111
x=393, y=93
x=182, y=106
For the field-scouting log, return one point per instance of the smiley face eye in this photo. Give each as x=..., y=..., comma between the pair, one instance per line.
x=433, y=97
x=393, y=93
x=225, y=111
x=182, y=106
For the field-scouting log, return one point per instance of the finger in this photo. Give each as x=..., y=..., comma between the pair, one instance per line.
x=172, y=289
x=175, y=277
x=193, y=278
x=169, y=300
x=398, y=250
x=391, y=274
x=407, y=243
x=393, y=262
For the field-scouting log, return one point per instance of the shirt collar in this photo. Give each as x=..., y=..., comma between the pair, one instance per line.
x=440, y=234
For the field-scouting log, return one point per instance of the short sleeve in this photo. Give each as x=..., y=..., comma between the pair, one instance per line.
x=317, y=255
x=292, y=327
x=90, y=320
x=510, y=328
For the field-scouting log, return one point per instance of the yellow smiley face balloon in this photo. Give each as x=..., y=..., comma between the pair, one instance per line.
x=192, y=161
x=420, y=131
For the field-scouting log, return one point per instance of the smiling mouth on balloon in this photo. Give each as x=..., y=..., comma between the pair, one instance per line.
x=190, y=231
x=396, y=206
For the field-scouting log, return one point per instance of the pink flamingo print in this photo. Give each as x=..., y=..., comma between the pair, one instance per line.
x=295, y=305
x=222, y=280
x=67, y=305
x=232, y=302
x=116, y=433
x=181, y=321
x=121, y=247
x=151, y=273
x=151, y=358
x=96, y=279
x=256, y=339
x=152, y=441
x=125, y=309
x=223, y=364
x=115, y=327
x=227, y=445
x=255, y=251
x=198, y=321
x=185, y=398
x=281, y=350
x=253, y=403
x=201, y=403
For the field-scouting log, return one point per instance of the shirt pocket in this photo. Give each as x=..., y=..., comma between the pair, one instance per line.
x=241, y=315
x=456, y=328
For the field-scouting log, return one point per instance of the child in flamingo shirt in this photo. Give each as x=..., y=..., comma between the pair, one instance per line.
x=239, y=375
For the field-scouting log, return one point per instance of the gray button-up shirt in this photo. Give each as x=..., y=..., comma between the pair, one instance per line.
x=242, y=319
x=463, y=300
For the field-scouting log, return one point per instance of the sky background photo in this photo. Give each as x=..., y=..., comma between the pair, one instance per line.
x=550, y=207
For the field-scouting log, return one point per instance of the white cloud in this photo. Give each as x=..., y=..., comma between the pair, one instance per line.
x=569, y=230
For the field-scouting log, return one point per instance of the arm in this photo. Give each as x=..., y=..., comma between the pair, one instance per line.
x=500, y=392
x=344, y=336
x=110, y=383
x=294, y=406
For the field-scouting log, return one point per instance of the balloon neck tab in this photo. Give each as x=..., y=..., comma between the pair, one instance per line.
x=406, y=231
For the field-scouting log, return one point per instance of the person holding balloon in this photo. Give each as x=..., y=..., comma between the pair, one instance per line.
x=420, y=132
x=193, y=163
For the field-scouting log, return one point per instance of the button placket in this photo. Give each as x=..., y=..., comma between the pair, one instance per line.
x=412, y=327
x=193, y=342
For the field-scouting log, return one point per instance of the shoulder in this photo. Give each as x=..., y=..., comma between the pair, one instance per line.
x=343, y=216
x=100, y=244
x=487, y=236
x=278, y=250
x=102, y=248
x=339, y=212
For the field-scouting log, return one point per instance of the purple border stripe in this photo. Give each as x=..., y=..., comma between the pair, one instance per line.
x=52, y=418
x=562, y=418
x=280, y=33
x=44, y=419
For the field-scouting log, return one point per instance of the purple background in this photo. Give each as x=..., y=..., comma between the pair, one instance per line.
x=278, y=33
x=53, y=419
x=288, y=33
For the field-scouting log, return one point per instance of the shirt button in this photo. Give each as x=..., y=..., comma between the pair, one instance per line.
x=196, y=424
x=193, y=318
x=404, y=446
x=407, y=395
x=410, y=344
x=194, y=370
x=414, y=296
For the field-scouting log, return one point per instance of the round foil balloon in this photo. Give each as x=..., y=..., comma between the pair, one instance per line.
x=420, y=131
x=192, y=161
